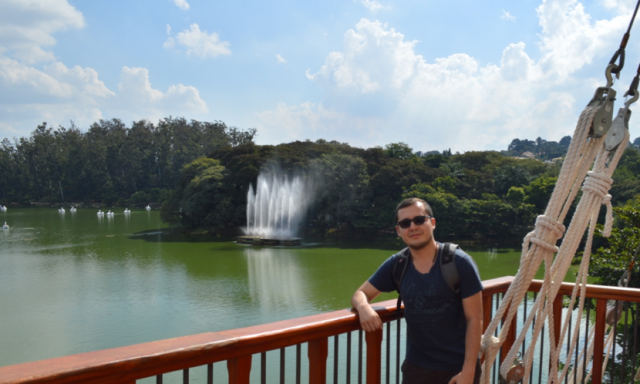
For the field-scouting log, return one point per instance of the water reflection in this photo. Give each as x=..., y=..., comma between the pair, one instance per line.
x=276, y=281
x=492, y=254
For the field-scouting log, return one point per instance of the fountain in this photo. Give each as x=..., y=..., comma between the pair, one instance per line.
x=275, y=209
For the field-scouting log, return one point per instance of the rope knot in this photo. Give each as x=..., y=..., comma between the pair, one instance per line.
x=598, y=183
x=552, y=225
x=490, y=345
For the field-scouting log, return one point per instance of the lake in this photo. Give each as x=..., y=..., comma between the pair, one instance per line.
x=73, y=282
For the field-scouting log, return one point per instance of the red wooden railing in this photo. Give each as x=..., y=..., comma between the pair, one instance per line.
x=236, y=346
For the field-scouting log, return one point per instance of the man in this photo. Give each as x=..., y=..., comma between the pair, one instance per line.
x=443, y=328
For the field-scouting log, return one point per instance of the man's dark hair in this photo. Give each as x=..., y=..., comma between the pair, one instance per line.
x=413, y=200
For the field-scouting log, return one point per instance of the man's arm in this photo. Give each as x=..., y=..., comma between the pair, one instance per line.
x=369, y=319
x=472, y=307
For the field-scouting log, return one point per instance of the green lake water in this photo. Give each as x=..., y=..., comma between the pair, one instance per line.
x=72, y=283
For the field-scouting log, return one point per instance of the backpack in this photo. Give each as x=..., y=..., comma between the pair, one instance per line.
x=447, y=266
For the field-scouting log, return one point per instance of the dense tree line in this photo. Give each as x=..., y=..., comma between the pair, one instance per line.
x=479, y=193
x=110, y=163
x=476, y=194
x=201, y=172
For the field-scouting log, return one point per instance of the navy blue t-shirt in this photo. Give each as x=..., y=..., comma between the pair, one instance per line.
x=436, y=327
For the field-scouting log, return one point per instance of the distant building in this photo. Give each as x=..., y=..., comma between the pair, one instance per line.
x=528, y=155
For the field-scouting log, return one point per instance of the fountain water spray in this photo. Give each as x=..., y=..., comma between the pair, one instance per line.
x=276, y=207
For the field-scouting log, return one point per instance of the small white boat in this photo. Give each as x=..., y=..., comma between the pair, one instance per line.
x=61, y=210
x=72, y=209
x=148, y=208
x=126, y=210
x=109, y=213
x=5, y=226
x=100, y=213
x=3, y=208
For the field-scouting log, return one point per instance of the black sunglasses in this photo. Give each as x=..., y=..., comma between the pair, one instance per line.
x=418, y=220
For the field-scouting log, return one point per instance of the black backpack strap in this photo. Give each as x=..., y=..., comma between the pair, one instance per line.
x=399, y=269
x=449, y=268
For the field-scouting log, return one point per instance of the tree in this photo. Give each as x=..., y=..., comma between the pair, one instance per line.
x=516, y=196
x=613, y=257
x=517, y=146
x=342, y=184
x=509, y=176
x=434, y=160
x=539, y=192
x=399, y=151
x=200, y=199
x=566, y=141
x=452, y=169
x=238, y=137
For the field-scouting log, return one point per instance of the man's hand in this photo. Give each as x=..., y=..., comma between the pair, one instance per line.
x=369, y=319
x=472, y=307
x=463, y=378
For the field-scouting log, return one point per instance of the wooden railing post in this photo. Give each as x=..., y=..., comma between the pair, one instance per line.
x=557, y=326
x=557, y=318
x=317, y=351
x=598, y=343
x=239, y=370
x=487, y=303
x=374, y=356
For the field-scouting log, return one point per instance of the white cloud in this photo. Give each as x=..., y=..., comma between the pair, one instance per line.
x=136, y=97
x=313, y=121
x=373, y=5
x=623, y=7
x=569, y=38
x=507, y=16
x=374, y=57
x=54, y=83
x=280, y=59
x=198, y=43
x=57, y=94
x=378, y=87
x=182, y=4
x=26, y=26
x=35, y=87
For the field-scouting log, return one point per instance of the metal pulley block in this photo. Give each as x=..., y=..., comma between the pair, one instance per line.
x=602, y=101
x=515, y=374
x=618, y=128
x=614, y=313
x=621, y=123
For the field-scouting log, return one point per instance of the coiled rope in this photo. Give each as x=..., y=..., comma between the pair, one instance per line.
x=540, y=245
x=596, y=147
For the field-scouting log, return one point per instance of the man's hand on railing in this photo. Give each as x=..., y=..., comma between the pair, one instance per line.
x=369, y=319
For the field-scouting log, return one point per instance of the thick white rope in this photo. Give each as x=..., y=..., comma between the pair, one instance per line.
x=598, y=192
x=539, y=245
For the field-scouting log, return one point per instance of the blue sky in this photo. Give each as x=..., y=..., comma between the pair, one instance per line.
x=465, y=75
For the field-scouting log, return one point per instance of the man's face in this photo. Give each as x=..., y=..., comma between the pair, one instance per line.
x=416, y=236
